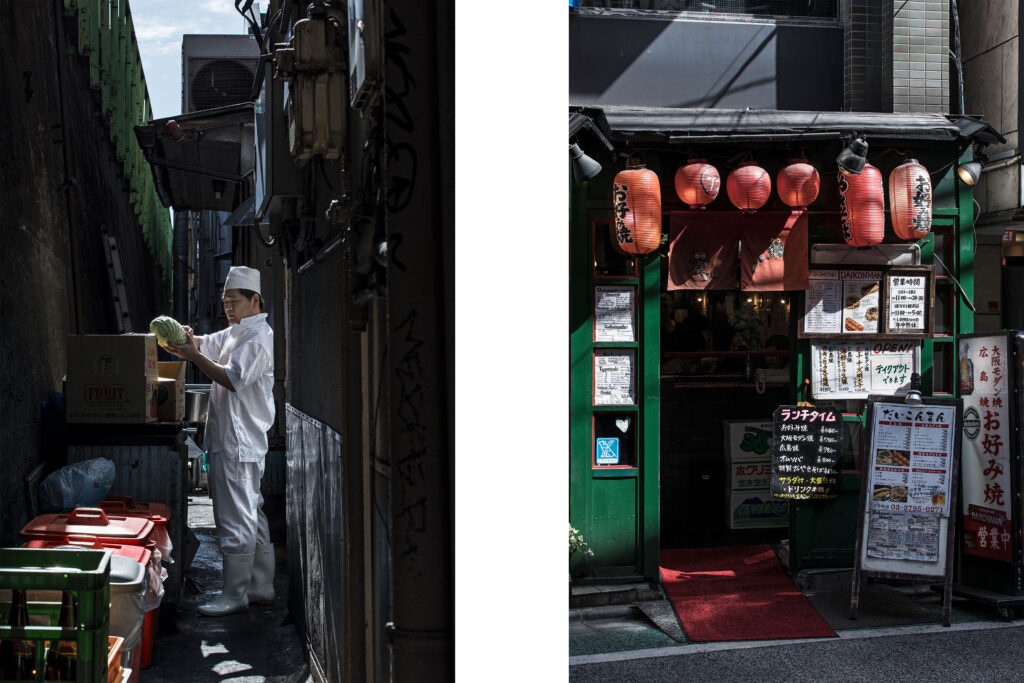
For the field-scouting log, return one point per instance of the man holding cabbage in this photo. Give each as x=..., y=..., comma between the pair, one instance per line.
x=240, y=362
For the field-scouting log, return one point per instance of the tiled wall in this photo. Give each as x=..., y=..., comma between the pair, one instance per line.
x=896, y=55
x=867, y=54
x=920, y=56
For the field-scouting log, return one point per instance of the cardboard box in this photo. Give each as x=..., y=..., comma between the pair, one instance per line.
x=757, y=510
x=170, y=401
x=112, y=354
x=112, y=378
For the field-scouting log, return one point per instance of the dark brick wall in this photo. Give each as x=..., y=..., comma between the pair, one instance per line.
x=50, y=257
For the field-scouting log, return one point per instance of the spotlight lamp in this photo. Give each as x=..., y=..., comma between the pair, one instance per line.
x=583, y=167
x=852, y=159
x=970, y=171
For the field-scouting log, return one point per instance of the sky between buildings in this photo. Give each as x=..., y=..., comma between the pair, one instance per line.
x=159, y=25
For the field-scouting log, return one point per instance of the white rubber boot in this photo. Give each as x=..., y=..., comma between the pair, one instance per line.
x=237, y=573
x=261, y=587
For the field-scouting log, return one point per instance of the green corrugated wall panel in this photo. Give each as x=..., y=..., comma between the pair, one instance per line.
x=106, y=35
x=104, y=57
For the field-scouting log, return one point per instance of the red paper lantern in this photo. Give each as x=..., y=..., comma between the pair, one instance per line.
x=697, y=183
x=636, y=197
x=862, y=207
x=798, y=183
x=748, y=186
x=910, y=200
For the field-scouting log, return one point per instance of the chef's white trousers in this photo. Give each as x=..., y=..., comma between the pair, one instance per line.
x=237, y=504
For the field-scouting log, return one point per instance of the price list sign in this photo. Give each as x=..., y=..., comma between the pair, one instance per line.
x=806, y=446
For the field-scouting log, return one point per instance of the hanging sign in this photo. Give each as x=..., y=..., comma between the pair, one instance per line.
x=614, y=377
x=848, y=369
x=985, y=384
x=888, y=302
x=614, y=314
x=806, y=445
x=912, y=458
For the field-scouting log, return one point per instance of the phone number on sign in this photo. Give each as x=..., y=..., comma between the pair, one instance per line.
x=910, y=507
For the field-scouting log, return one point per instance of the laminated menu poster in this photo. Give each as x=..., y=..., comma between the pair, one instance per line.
x=842, y=302
x=806, y=445
x=614, y=377
x=848, y=369
x=614, y=314
x=897, y=536
x=910, y=472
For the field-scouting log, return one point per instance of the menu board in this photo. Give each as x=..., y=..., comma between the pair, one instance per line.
x=614, y=377
x=848, y=301
x=848, y=369
x=805, y=449
x=905, y=529
x=986, y=386
x=907, y=302
x=823, y=303
x=911, y=452
x=842, y=302
x=614, y=314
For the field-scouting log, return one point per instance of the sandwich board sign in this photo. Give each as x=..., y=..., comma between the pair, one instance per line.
x=912, y=462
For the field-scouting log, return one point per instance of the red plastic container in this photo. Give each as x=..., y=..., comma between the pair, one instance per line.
x=90, y=524
x=158, y=513
x=126, y=505
x=149, y=628
x=139, y=553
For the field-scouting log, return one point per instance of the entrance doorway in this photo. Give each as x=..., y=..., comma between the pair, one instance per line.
x=725, y=359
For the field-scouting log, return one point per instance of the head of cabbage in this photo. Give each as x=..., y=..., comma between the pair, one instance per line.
x=168, y=331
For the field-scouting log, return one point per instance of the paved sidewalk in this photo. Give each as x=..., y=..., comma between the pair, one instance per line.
x=259, y=646
x=612, y=621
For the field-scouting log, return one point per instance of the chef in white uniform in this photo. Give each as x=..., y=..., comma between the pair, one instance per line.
x=240, y=362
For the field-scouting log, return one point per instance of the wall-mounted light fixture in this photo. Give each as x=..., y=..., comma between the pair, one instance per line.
x=852, y=159
x=583, y=167
x=970, y=171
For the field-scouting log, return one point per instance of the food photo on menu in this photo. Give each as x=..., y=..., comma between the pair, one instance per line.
x=860, y=313
x=890, y=457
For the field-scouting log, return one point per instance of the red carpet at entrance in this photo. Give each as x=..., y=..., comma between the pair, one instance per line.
x=737, y=593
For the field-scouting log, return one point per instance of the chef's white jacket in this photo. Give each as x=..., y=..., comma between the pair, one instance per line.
x=237, y=422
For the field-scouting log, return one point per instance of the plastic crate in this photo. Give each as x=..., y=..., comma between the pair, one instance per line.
x=86, y=573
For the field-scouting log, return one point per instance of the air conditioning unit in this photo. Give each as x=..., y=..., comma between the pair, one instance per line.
x=217, y=70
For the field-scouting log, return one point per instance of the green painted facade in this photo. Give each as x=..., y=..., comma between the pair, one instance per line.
x=106, y=38
x=617, y=509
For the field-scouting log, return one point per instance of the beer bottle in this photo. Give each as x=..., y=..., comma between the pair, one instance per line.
x=18, y=657
x=62, y=657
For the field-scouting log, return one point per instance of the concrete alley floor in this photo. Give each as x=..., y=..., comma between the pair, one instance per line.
x=260, y=646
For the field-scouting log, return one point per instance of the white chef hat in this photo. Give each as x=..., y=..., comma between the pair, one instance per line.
x=243, y=277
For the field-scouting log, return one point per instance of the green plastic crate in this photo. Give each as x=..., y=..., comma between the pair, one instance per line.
x=86, y=573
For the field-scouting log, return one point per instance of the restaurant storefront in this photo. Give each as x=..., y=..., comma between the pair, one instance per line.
x=681, y=349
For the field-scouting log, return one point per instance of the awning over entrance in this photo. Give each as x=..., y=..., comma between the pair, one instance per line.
x=667, y=124
x=201, y=160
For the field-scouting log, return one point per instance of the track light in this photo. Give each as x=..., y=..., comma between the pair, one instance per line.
x=852, y=159
x=970, y=171
x=583, y=167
